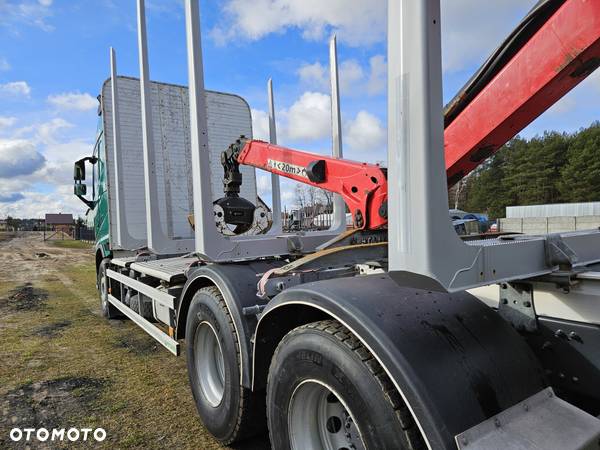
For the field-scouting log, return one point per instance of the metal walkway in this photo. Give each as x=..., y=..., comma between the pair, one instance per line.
x=168, y=269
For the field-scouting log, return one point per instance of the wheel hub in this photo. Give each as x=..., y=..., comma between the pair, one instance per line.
x=103, y=293
x=210, y=364
x=318, y=419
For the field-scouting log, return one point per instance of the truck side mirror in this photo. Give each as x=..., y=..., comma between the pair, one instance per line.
x=79, y=170
x=80, y=189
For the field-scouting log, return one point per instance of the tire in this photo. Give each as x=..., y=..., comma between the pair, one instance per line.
x=146, y=310
x=108, y=310
x=228, y=410
x=326, y=391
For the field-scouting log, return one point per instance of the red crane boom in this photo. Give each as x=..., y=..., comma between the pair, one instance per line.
x=561, y=54
x=552, y=50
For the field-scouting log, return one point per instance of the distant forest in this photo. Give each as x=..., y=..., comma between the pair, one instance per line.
x=553, y=168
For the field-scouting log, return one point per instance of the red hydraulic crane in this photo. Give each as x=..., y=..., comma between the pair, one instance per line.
x=551, y=51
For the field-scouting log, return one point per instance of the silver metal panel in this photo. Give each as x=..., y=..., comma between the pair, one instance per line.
x=170, y=344
x=155, y=294
x=541, y=422
x=554, y=210
x=581, y=303
x=123, y=262
x=165, y=269
x=423, y=247
x=228, y=116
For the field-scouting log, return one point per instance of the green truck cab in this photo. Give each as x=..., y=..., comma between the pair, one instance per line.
x=97, y=200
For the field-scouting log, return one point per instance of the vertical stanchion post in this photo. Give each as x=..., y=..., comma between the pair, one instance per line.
x=204, y=230
x=275, y=186
x=118, y=159
x=339, y=207
x=152, y=211
x=424, y=250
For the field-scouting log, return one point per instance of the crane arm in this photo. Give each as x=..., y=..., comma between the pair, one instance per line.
x=555, y=48
x=552, y=50
x=363, y=186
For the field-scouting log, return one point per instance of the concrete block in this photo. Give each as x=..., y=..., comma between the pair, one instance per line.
x=510, y=225
x=560, y=224
x=535, y=225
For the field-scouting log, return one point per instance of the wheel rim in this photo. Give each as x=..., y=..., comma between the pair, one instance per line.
x=103, y=293
x=319, y=419
x=210, y=364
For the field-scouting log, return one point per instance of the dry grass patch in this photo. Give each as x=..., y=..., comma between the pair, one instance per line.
x=65, y=365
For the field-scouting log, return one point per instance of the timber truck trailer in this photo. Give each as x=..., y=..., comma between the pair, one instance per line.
x=397, y=334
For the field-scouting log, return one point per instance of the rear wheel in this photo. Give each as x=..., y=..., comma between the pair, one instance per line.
x=108, y=310
x=326, y=391
x=228, y=410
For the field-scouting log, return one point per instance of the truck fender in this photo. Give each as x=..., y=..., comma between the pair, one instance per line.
x=99, y=255
x=237, y=283
x=454, y=360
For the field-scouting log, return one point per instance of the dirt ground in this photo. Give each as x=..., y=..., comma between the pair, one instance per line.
x=63, y=365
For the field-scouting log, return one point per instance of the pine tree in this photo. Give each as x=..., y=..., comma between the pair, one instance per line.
x=580, y=177
x=485, y=193
x=533, y=170
x=552, y=168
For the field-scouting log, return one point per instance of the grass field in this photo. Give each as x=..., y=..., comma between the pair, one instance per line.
x=64, y=365
x=70, y=243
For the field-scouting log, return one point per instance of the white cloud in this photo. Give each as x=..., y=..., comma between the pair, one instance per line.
x=314, y=75
x=47, y=131
x=260, y=124
x=356, y=22
x=288, y=191
x=35, y=204
x=19, y=157
x=365, y=133
x=308, y=118
x=7, y=122
x=27, y=12
x=4, y=65
x=17, y=193
x=15, y=88
x=39, y=153
x=354, y=79
x=469, y=36
x=263, y=184
x=376, y=84
x=73, y=101
x=350, y=73
x=60, y=157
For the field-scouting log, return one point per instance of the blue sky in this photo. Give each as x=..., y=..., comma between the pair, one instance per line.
x=54, y=58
